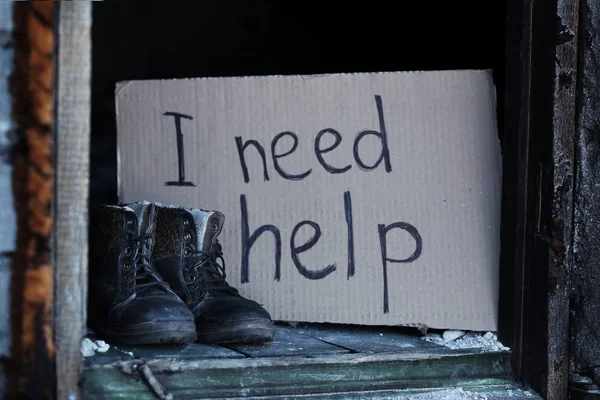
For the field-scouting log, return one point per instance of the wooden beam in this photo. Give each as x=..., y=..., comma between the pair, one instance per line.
x=562, y=185
x=539, y=156
x=31, y=373
x=585, y=307
x=72, y=137
x=355, y=375
x=515, y=155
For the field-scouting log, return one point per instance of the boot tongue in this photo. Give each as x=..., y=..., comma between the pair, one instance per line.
x=208, y=226
x=144, y=211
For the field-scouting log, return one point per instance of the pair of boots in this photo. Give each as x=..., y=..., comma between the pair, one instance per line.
x=154, y=277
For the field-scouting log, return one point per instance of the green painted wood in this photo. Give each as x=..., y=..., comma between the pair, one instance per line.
x=480, y=390
x=366, y=339
x=291, y=376
x=484, y=392
x=306, y=362
x=193, y=351
x=290, y=342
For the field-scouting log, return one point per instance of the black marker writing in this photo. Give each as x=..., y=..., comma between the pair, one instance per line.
x=276, y=156
x=241, y=148
x=383, y=230
x=248, y=241
x=180, y=149
x=320, y=274
x=319, y=151
x=348, y=213
x=382, y=135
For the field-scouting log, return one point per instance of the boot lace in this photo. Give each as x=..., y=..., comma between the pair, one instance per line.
x=137, y=265
x=207, y=273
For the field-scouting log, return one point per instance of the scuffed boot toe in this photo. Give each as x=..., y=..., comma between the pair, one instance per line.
x=152, y=319
x=233, y=319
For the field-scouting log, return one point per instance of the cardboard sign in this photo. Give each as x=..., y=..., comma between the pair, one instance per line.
x=349, y=198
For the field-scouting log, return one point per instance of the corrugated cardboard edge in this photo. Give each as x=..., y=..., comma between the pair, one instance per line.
x=122, y=84
x=118, y=88
x=497, y=143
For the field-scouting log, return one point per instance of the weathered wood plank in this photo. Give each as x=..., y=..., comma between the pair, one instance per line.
x=538, y=185
x=72, y=130
x=32, y=368
x=563, y=164
x=290, y=342
x=585, y=303
x=366, y=339
x=290, y=376
x=515, y=155
x=479, y=390
x=487, y=392
x=190, y=352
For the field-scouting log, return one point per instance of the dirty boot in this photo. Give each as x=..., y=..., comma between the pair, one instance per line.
x=186, y=254
x=128, y=301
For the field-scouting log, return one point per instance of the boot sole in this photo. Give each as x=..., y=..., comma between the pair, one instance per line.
x=156, y=332
x=245, y=331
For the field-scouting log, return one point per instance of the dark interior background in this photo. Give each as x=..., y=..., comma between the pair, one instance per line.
x=157, y=39
x=148, y=39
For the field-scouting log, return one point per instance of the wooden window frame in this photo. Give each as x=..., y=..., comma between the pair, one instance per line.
x=537, y=235
x=539, y=124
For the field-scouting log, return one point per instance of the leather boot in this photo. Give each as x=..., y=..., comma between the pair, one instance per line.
x=187, y=254
x=129, y=303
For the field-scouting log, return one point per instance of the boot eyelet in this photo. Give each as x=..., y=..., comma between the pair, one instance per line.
x=186, y=252
x=127, y=266
x=186, y=222
x=194, y=286
x=214, y=228
x=187, y=237
x=192, y=278
x=127, y=250
x=129, y=222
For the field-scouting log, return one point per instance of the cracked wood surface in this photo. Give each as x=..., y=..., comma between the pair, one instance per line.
x=585, y=297
x=562, y=165
x=311, y=360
